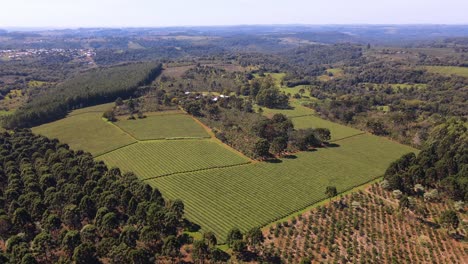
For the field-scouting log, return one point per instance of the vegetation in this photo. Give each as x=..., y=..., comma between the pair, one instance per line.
x=365, y=226
x=93, y=87
x=441, y=164
x=86, y=131
x=254, y=194
x=152, y=159
x=163, y=126
x=58, y=205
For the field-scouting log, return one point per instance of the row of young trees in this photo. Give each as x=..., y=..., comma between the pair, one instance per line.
x=58, y=205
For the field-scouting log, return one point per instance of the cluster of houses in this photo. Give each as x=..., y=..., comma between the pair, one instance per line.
x=21, y=53
x=214, y=98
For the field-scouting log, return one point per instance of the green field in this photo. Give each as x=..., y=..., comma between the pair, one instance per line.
x=297, y=109
x=337, y=131
x=151, y=159
x=220, y=188
x=257, y=194
x=86, y=131
x=161, y=126
x=448, y=70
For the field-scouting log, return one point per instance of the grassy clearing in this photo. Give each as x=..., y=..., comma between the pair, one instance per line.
x=157, y=158
x=86, y=131
x=35, y=83
x=257, y=194
x=297, y=109
x=94, y=109
x=337, y=131
x=161, y=126
x=336, y=73
x=296, y=89
x=448, y=70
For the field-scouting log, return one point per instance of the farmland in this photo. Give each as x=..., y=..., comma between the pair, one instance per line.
x=449, y=70
x=162, y=126
x=259, y=193
x=150, y=159
x=372, y=230
x=220, y=188
x=86, y=131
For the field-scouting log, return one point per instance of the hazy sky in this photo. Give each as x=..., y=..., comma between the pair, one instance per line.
x=135, y=13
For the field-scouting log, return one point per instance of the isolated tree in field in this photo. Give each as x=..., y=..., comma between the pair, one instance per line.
x=331, y=191
x=450, y=219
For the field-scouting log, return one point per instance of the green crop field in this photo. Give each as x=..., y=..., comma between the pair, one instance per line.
x=297, y=109
x=259, y=193
x=156, y=158
x=93, y=109
x=161, y=126
x=86, y=131
x=448, y=70
x=337, y=131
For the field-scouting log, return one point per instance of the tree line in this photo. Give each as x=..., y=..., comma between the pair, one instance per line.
x=96, y=86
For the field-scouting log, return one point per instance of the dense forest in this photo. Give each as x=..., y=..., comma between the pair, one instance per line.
x=58, y=205
x=93, y=87
x=442, y=164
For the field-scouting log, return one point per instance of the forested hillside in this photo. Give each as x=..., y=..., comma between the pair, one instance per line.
x=59, y=205
x=441, y=165
x=92, y=87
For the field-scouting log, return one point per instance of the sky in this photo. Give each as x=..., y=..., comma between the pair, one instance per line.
x=160, y=13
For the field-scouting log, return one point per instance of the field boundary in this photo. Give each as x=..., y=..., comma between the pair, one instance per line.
x=107, y=152
x=360, y=134
x=216, y=140
x=313, y=205
x=197, y=170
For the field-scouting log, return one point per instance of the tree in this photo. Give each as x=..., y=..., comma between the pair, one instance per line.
x=42, y=244
x=28, y=259
x=233, y=235
x=21, y=217
x=450, y=219
x=129, y=236
x=118, y=102
x=85, y=254
x=323, y=134
x=261, y=148
x=404, y=202
x=109, y=115
x=177, y=206
x=200, y=250
x=278, y=145
x=331, y=191
x=109, y=223
x=171, y=247
x=71, y=240
x=254, y=237
x=210, y=239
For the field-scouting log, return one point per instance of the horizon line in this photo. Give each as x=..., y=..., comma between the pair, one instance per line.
x=221, y=26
